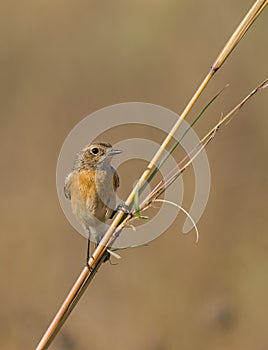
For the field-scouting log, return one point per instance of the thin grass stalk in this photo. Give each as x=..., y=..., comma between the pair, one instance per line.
x=240, y=31
x=174, y=174
x=97, y=256
x=261, y=86
x=68, y=305
x=161, y=163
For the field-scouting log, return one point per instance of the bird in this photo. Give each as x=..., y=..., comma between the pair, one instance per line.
x=91, y=188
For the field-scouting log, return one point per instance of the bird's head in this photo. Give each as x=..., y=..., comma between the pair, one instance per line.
x=95, y=155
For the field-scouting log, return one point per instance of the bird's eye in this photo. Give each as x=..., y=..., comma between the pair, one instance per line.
x=95, y=150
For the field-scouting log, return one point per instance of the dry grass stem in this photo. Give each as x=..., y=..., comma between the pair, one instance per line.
x=168, y=180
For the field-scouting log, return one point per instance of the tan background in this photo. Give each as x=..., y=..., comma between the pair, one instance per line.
x=60, y=61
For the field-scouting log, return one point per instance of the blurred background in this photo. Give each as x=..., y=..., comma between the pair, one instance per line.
x=63, y=60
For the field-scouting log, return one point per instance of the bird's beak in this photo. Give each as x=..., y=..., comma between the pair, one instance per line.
x=113, y=152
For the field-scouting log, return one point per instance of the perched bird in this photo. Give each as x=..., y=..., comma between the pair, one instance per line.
x=91, y=188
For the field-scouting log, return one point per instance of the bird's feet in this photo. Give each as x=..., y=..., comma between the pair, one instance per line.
x=88, y=255
x=124, y=208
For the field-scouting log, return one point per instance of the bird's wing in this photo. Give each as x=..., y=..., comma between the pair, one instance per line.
x=67, y=186
x=116, y=181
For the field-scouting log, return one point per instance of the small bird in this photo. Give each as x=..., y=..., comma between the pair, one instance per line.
x=91, y=187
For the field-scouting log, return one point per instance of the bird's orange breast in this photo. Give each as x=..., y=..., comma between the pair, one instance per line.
x=87, y=185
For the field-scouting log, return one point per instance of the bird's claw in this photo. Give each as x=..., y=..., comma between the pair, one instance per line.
x=124, y=208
